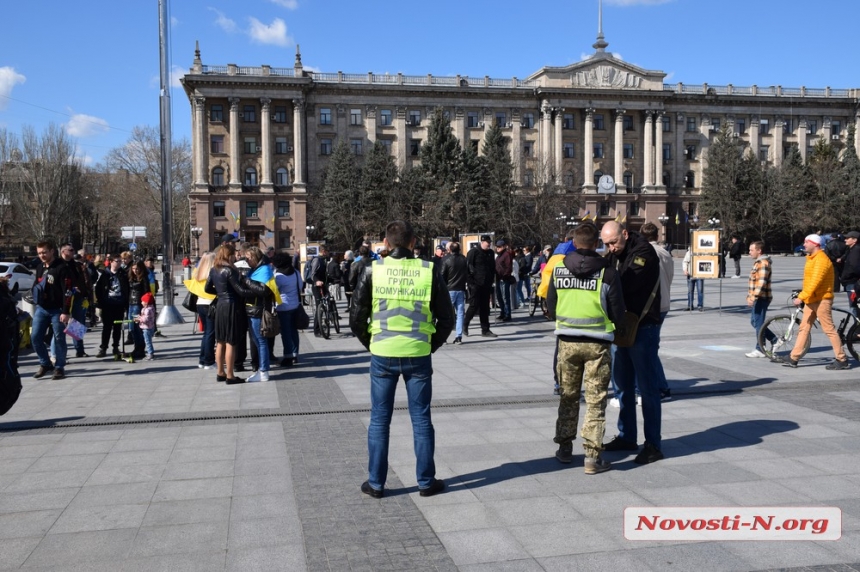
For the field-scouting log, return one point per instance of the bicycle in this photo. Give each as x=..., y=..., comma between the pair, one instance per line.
x=325, y=315
x=536, y=300
x=777, y=334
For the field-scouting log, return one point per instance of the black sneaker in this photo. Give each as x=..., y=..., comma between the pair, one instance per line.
x=370, y=491
x=59, y=374
x=101, y=354
x=619, y=444
x=234, y=381
x=665, y=395
x=43, y=369
x=466, y=331
x=564, y=453
x=489, y=334
x=649, y=454
x=786, y=361
x=437, y=486
x=836, y=364
x=82, y=354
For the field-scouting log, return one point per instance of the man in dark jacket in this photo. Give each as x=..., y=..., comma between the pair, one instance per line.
x=585, y=300
x=482, y=271
x=835, y=249
x=52, y=294
x=112, y=299
x=639, y=267
x=401, y=313
x=736, y=251
x=455, y=273
x=851, y=265
x=505, y=280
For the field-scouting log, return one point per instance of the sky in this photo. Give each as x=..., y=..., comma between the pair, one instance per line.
x=92, y=66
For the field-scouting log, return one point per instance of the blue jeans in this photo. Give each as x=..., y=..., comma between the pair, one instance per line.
x=527, y=284
x=503, y=298
x=207, y=344
x=137, y=334
x=289, y=333
x=759, y=311
x=639, y=363
x=692, y=284
x=417, y=375
x=43, y=318
x=458, y=300
x=147, y=339
x=262, y=344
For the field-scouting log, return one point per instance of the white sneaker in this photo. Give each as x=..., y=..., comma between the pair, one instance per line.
x=736, y=276
x=259, y=376
x=638, y=400
x=615, y=403
x=755, y=354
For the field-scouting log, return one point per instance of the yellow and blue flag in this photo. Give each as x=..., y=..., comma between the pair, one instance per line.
x=265, y=275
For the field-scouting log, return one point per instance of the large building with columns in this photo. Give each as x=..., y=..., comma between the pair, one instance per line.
x=630, y=144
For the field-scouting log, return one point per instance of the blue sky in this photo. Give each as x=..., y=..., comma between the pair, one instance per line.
x=93, y=65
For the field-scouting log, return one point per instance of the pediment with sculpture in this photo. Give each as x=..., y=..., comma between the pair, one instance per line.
x=605, y=73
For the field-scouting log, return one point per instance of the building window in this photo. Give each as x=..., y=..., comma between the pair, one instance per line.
x=283, y=209
x=666, y=178
x=385, y=117
x=280, y=115
x=250, y=145
x=325, y=146
x=810, y=150
x=567, y=121
x=325, y=116
x=690, y=180
x=474, y=144
x=284, y=241
x=763, y=152
x=667, y=124
x=568, y=179
x=387, y=144
x=249, y=113
x=252, y=209
x=598, y=122
x=414, y=118
x=741, y=125
x=788, y=126
x=216, y=143
x=835, y=128
x=355, y=146
x=250, y=177
x=597, y=175
x=598, y=151
x=690, y=153
x=812, y=127
x=627, y=120
x=691, y=125
x=567, y=150
x=628, y=180
x=281, y=145
x=528, y=120
x=527, y=149
x=355, y=117
x=217, y=177
x=715, y=123
x=471, y=119
x=603, y=207
x=282, y=177
x=216, y=113
x=667, y=151
x=528, y=178
x=628, y=150
x=633, y=209
x=501, y=119
x=414, y=147
x=765, y=127
x=219, y=210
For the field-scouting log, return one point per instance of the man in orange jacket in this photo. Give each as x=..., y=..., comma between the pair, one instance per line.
x=817, y=294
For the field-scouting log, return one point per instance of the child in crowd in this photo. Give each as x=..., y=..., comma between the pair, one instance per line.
x=146, y=321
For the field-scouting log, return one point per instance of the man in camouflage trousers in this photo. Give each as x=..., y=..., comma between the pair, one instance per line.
x=586, y=302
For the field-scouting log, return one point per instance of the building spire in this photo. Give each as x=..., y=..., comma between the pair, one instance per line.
x=600, y=45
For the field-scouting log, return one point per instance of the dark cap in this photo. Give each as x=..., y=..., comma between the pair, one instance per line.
x=228, y=238
x=485, y=238
x=852, y=234
x=501, y=242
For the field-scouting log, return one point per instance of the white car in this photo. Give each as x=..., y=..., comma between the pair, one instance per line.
x=18, y=274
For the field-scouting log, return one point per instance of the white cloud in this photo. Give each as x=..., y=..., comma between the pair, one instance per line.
x=313, y=69
x=81, y=125
x=176, y=72
x=174, y=21
x=9, y=78
x=223, y=22
x=288, y=4
x=274, y=33
x=637, y=2
x=669, y=76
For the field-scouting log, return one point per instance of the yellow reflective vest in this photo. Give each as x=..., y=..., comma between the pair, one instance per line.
x=401, y=323
x=579, y=310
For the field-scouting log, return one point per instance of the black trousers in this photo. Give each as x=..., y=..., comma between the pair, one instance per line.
x=241, y=350
x=480, y=303
x=109, y=315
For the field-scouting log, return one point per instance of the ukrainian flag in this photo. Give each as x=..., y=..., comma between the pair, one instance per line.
x=265, y=275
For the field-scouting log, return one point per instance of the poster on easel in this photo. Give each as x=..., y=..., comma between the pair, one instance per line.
x=706, y=254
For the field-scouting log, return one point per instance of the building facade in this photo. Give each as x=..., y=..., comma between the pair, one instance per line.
x=632, y=145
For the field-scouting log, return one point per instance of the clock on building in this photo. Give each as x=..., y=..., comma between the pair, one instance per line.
x=606, y=184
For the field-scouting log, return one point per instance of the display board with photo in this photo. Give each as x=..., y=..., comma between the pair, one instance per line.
x=706, y=266
x=706, y=241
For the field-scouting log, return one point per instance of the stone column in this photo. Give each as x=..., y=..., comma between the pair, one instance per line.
x=487, y=118
x=802, y=133
x=619, y=150
x=402, y=142
x=558, y=151
x=648, y=152
x=201, y=166
x=235, y=148
x=370, y=124
x=299, y=176
x=658, y=152
x=545, y=155
x=778, y=130
x=755, y=126
x=588, y=152
x=266, y=128
x=857, y=131
x=459, y=125
x=826, y=129
x=516, y=145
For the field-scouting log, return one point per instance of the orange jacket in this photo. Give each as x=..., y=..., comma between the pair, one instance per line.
x=817, y=279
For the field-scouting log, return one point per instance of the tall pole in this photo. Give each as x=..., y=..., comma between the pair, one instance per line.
x=169, y=314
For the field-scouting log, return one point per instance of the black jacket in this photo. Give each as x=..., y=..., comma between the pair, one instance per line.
x=262, y=296
x=54, y=285
x=109, y=282
x=136, y=289
x=584, y=263
x=355, y=270
x=228, y=285
x=851, y=270
x=440, y=306
x=736, y=251
x=455, y=272
x=482, y=266
x=639, y=268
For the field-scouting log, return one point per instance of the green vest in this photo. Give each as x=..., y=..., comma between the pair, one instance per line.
x=401, y=324
x=579, y=311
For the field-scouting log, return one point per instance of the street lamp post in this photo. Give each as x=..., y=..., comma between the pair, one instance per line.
x=196, y=231
x=309, y=230
x=663, y=221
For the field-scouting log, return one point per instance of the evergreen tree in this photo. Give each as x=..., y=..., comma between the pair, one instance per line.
x=471, y=204
x=503, y=203
x=722, y=195
x=378, y=191
x=851, y=174
x=777, y=218
x=824, y=197
x=340, y=199
x=440, y=165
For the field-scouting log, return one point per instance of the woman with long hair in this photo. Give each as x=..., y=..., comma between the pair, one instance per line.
x=230, y=291
x=261, y=276
x=197, y=285
x=290, y=287
x=138, y=285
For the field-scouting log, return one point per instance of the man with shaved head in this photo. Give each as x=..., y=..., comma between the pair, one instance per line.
x=638, y=265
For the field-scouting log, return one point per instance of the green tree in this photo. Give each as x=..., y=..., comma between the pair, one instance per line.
x=440, y=167
x=776, y=218
x=378, y=191
x=340, y=199
x=471, y=205
x=504, y=207
x=824, y=197
x=722, y=195
x=851, y=174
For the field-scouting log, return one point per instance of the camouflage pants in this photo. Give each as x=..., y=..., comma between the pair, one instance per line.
x=583, y=364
